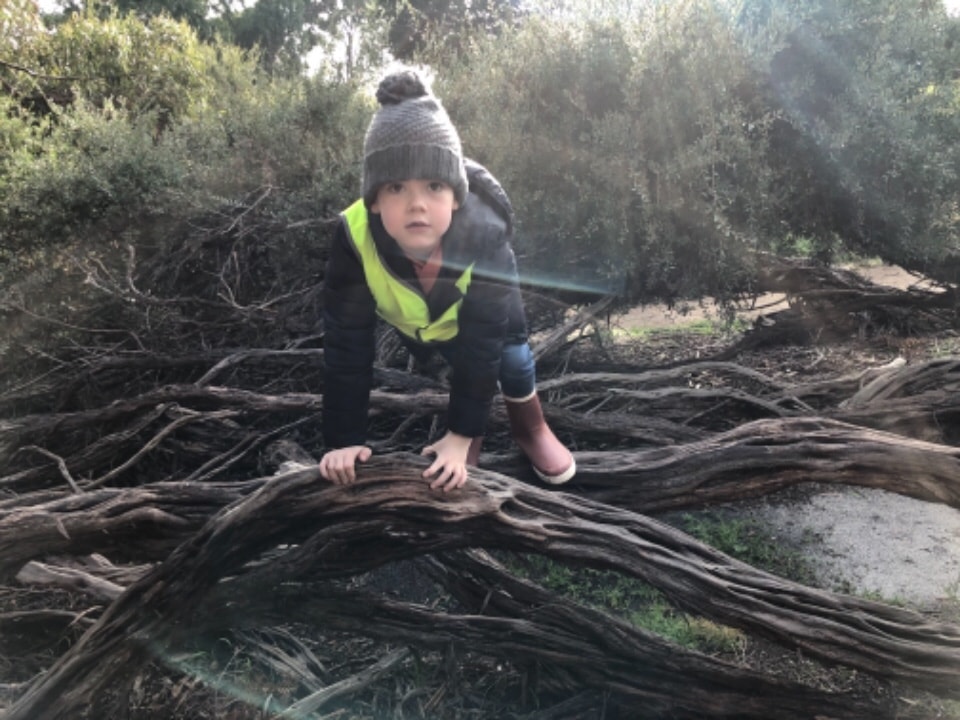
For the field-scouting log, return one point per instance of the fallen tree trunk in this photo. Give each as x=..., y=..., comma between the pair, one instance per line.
x=144, y=524
x=934, y=417
x=920, y=400
x=522, y=624
x=391, y=514
x=828, y=304
x=578, y=647
x=656, y=408
x=762, y=457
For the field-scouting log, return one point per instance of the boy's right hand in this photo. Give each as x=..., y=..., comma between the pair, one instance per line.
x=337, y=466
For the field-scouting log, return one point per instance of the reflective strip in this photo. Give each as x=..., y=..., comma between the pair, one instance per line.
x=397, y=303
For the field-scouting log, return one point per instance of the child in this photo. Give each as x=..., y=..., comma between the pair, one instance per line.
x=427, y=248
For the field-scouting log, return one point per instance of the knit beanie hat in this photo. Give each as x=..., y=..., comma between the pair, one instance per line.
x=411, y=138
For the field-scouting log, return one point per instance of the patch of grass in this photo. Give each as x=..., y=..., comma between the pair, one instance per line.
x=647, y=608
x=949, y=606
x=749, y=542
x=707, y=327
x=604, y=589
x=692, y=632
x=633, y=600
x=852, y=258
x=944, y=347
x=805, y=246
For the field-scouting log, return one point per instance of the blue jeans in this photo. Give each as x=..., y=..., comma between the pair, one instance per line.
x=518, y=371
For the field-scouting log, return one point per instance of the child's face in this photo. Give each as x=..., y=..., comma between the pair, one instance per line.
x=416, y=213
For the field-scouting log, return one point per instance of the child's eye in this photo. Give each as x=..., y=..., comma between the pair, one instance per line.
x=437, y=185
x=394, y=187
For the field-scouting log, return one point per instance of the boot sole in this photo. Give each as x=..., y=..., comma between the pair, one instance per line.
x=560, y=479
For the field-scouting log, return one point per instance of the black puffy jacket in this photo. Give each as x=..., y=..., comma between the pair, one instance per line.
x=491, y=313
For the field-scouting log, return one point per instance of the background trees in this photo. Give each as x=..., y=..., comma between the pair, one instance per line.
x=691, y=138
x=659, y=150
x=864, y=128
x=678, y=137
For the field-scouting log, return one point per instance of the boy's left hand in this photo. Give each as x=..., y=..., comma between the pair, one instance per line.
x=450, y=462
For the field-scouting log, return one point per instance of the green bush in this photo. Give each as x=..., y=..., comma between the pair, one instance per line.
x=162, y=126
x=157, y=65
x=625, y=145
x=660, y=150
x=302, y=135
x=648, y=150
x=529, y=107
x=96, y=164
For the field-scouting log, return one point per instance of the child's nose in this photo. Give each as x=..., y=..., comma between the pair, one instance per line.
x=418, y=198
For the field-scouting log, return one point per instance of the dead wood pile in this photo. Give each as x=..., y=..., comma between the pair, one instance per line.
x=167, y=497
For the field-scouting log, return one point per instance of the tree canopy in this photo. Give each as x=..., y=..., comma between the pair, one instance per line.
x=658, y=150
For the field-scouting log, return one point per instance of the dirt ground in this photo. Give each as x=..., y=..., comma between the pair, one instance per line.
x=858, y=540
x=658, y=317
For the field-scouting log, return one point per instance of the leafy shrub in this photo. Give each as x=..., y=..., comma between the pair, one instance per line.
x=658, y=151
x=96, y=164
x=161, y=125
x=624, y=145
x=155, y=65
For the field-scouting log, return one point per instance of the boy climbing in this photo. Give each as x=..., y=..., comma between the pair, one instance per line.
x=427, y=248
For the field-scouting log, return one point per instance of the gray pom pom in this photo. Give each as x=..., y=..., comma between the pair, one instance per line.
x=400, y=86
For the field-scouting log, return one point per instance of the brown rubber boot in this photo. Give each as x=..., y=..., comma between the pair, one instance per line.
x=473, y=454
x=552, y=462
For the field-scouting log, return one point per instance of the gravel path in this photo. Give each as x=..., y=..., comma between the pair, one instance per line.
x=874, y=543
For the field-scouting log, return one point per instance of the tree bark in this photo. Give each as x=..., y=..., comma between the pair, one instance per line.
x=144, y=524
x=390, y=513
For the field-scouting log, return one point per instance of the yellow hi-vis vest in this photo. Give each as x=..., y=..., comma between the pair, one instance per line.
x=397, y=303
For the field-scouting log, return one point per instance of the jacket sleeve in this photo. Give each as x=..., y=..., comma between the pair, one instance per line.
x=483, y=321
x=349, y=318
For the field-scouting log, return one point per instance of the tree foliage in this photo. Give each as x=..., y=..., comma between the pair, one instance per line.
x=443, y=26
x=289, y=36
x=631, y=158
x=865, y=143
x=666, y=147
x=650, y=148
x=150, y=127
x=282, y=32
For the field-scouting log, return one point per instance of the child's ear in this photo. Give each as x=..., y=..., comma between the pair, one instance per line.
x=456, y=204
x=375, y=207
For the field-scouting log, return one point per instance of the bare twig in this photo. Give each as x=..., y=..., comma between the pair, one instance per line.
x=188, y=416
x=238, y=358
x=44, y=76
x=61, y=465
x=37, y=573
x=317, y=699
x=558, y=337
